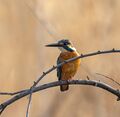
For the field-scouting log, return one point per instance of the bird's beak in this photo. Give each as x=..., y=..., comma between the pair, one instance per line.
x=54, y=45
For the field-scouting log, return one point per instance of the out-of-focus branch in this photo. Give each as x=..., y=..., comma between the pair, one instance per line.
x=94, y=83
x=107, y=77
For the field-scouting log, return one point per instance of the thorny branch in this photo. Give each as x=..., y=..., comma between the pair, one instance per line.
x=33, y=88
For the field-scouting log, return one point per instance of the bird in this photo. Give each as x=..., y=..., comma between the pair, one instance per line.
x=68, y=70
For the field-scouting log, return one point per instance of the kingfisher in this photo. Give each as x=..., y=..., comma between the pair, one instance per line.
x=68, y=70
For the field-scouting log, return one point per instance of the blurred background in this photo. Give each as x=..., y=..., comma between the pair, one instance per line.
x=27, y=25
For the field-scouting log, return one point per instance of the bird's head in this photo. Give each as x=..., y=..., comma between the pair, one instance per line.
x=64, y=45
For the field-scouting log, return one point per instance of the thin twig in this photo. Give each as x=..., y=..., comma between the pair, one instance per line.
x=13, y=93
x=29, y=103
x=41, y=21
x=109, y=78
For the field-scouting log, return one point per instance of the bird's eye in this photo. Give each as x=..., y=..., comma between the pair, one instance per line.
x=65, y=43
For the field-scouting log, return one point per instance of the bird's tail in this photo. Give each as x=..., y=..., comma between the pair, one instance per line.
x=64, y=87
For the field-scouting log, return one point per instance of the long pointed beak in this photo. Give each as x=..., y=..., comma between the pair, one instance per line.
x=54, y=45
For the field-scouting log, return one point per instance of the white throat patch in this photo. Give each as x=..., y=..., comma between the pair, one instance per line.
x=62, y=49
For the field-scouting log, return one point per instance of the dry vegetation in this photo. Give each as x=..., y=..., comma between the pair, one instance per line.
x=90, y=25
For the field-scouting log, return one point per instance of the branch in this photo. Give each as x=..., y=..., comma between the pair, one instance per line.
x=95, y=83
x=13, y=93
x=29, y=103
x=69, y=60
x=33, y=88
x=73, y=59
x=66, y=61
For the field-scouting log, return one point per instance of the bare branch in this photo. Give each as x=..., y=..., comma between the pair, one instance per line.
x=29, y=103
x=3, y=108
x=58, y=83
x=75, y=58
x=13, y=93
x=69, y=60
x=33, y=88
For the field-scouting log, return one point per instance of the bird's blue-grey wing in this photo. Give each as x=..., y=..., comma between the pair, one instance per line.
x=59, y=75
x=59, y=69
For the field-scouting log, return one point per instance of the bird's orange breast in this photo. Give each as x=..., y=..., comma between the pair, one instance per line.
x=69, y=69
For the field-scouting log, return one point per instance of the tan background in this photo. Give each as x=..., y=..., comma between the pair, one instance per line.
x=27, y=25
